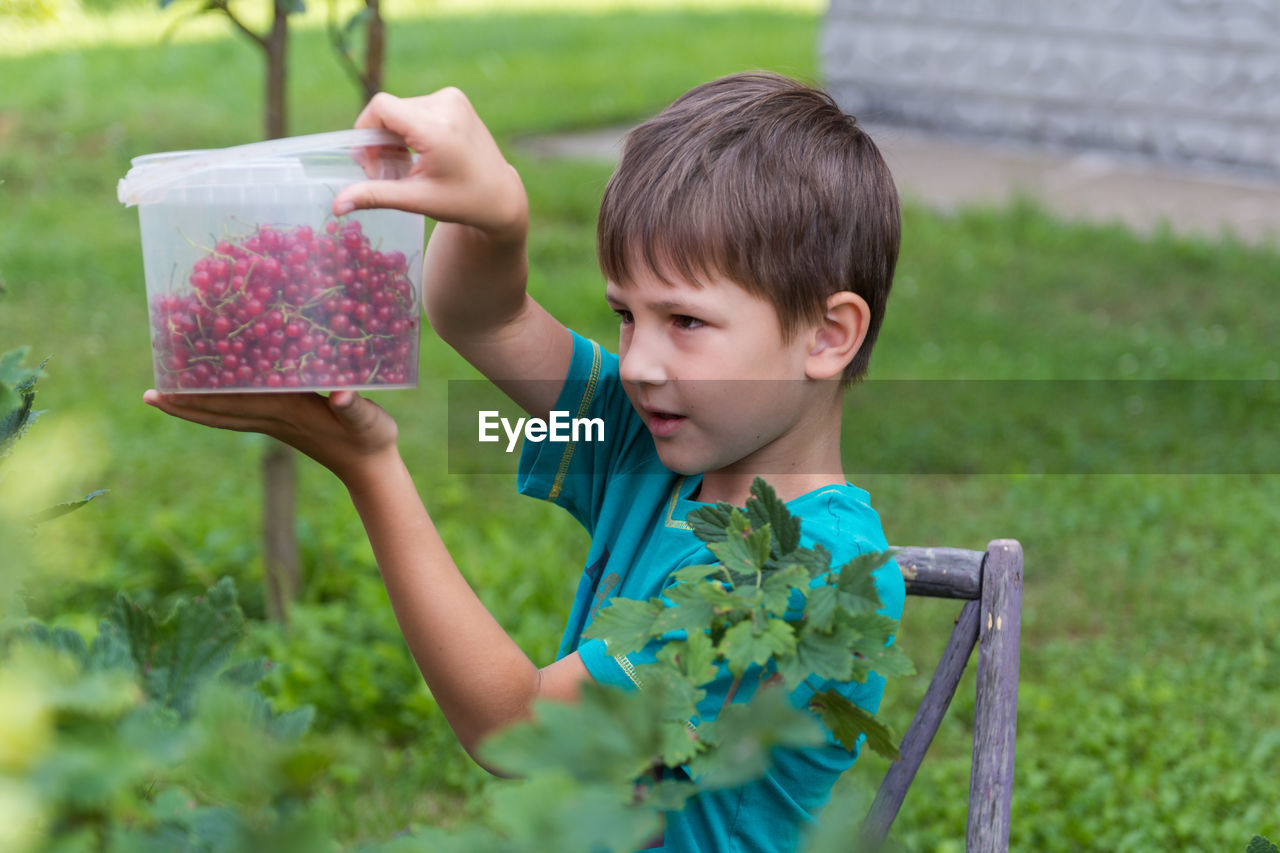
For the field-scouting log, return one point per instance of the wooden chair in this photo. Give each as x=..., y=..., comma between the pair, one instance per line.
x=991, y=584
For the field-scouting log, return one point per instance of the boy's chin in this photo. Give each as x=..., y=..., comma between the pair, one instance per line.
x=684, y=464
x=688, y=464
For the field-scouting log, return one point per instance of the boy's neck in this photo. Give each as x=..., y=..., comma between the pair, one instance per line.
x=807, y=460
x=735, y=489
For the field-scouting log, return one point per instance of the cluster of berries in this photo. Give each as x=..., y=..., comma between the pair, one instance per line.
x=290, y=308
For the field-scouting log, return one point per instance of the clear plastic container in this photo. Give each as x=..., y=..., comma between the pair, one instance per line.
x=253, y=284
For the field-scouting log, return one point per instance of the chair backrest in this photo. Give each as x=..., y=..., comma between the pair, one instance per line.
x=990, y=582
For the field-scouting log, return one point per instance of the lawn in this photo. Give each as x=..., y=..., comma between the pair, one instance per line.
x=1150, y=666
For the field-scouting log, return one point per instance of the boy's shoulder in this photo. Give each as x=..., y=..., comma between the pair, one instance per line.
x=842, y=520
x=842, y=514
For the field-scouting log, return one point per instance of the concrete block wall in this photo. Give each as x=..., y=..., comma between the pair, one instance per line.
x=1171, y=80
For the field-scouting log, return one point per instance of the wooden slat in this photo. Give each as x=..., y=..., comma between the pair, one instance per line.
x=941, y=572
x=996, y=709
x=893, y=790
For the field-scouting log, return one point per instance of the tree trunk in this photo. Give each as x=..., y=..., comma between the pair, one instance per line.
x=276, y=46
x=374, y=50
x=280, y=542
x=283, y=575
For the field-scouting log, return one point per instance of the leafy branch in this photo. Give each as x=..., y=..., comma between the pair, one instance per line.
x=768, y=608
x=17, y=396
x=18, y=413
x=768, y=611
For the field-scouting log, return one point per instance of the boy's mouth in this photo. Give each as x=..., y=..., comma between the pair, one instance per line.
x=661, y=423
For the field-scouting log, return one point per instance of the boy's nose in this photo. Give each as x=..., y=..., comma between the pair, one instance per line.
x=640, y=361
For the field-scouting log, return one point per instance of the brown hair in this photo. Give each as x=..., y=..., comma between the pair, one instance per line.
x=767, y=182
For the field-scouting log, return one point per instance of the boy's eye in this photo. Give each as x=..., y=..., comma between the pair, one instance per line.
x=623, y=314
x=683, y=321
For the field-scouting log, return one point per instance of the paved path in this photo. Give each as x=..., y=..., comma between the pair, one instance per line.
x=948, y=173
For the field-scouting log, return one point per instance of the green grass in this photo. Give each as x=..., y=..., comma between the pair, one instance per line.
x=1150, y=664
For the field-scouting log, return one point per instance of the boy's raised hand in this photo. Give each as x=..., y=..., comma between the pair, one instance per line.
x=460, y=174
x=343, y=432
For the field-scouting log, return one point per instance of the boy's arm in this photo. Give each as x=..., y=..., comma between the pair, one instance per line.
x=481, y=679
x=479, y=676
x=476, y=264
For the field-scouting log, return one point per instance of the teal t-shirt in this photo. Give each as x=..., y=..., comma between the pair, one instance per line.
x=635, y=508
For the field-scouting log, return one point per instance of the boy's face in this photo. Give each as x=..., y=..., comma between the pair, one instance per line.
x=707, y=369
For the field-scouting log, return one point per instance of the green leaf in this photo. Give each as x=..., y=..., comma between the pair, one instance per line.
x=291, y=725
x=847, y=722
x=710, y=523
x=744, y=551
x=824, y=655
x=669, y=795
x=689, y=610
x=820, y=607
x=694, y=658
x=9, y=400
x=750, y=643
x=553, y=812
x=249, y=673
x=857, y=586
x=1259, y=844
x=17, y=396
x=680, y=694
x=711, y=592
x=569, y=737
x=777, y=587
x=63, y=508
x=626, y=625
x=816, y=560
x=12, y=372
x=694, y=574
x=178, y=654
x=765, y=509
x=679, y=744
x=745, y=735
x=872, y=634
x=110, y=650
x=887, y=661
x=874, y=630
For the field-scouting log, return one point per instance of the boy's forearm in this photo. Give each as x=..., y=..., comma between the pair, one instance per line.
x=476, y=672
x=474, y=282
x=474, y=294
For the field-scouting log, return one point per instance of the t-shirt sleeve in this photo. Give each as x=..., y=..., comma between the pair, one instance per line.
x=615, y=671
x=605, y=431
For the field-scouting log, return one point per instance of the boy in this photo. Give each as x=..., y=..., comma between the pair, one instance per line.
x=748, y=239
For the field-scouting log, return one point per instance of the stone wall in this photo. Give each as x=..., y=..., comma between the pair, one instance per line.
x=1173, y=80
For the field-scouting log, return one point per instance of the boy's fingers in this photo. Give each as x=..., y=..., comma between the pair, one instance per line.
x=354, y=411
x=385, y=110
x=410, y=116
x=404, y=194
x=263, y=413
x=171, y=405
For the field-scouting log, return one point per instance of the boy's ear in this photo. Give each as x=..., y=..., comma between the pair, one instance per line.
x=836, y=340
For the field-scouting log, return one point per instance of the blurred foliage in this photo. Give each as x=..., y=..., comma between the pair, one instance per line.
x=147, y=738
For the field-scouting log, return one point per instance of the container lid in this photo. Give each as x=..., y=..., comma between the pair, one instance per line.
x=153, y=173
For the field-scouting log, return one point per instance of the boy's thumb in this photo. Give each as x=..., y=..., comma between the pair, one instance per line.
x=397, y=195
x=349, y=408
